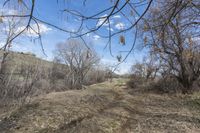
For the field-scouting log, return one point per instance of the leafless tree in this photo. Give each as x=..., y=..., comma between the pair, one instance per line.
x=96, y=74
x=78, y=58
x=171, y=33
x=146, y=69
x=127, y=9
x=18, y=89
x=9, y=30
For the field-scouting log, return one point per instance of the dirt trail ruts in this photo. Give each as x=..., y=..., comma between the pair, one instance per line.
x=106, y=107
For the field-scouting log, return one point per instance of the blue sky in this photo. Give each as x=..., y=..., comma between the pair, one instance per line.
x=50, y=10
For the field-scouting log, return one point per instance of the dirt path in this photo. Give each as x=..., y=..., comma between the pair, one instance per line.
x=106, y=107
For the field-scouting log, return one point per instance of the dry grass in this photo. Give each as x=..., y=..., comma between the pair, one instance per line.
x=106, y=107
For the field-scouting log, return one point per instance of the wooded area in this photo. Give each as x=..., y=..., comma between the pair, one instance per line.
x=169, y=30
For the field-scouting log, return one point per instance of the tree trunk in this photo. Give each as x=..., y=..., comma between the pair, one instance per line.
x=187, y=86
x=2, y=67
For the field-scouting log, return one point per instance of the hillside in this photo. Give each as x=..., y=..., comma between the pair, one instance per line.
x=16, y=61
x=106, y=107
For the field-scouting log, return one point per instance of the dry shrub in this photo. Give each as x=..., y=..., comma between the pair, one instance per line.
x=95, y=76
x=42, y=86
x=15, y=93
x=18, y=88
x=59, y=85
x=165, y=85
x=168, y=84
x=196, y=85
x=135, y=81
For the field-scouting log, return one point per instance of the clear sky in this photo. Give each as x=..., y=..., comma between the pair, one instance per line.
x=51, y=11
